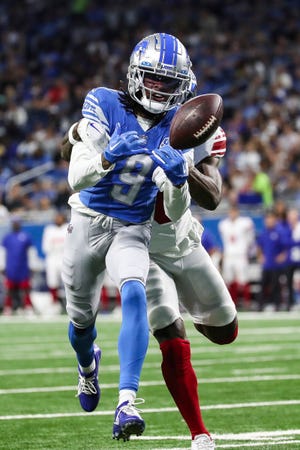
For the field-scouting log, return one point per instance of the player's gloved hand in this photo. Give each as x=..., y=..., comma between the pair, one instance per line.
x=173, y=164
x=124, y=145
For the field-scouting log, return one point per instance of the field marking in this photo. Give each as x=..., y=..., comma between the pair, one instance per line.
x=243, y=445
x=199, y=350
x=243, y=316
x=193, y=335
x=116, y=368
x=257, y=439
x=152, y=365
x=254, y=378
x=149, y=410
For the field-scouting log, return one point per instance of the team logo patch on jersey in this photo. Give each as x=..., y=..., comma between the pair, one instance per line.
x=70, y=228
x=165, y=141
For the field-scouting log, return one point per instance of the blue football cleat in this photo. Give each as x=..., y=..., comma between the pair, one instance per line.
x=88, y=386
x=127, y=421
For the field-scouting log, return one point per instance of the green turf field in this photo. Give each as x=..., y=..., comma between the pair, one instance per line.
x=250, y=390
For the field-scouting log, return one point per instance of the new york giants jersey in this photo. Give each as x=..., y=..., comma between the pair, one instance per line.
x=178, y=239
x=214, y=146
x=127, y=192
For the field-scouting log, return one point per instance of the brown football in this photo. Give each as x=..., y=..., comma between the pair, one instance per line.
x=196, y=120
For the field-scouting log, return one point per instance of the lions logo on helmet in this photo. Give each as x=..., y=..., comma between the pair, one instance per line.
x=161, y=57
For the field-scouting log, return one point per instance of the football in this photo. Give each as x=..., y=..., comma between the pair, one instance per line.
x=196, y=120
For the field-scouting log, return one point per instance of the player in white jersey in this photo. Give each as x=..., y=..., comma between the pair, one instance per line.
x=238, y=238
x=53, y=239
x=181, y=270
x=115, y=183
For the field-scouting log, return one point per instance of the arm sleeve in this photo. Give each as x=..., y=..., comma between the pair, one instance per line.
x=177, y=200
x=85, y=168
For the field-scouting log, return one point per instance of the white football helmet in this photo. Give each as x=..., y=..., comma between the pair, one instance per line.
x=160, y=55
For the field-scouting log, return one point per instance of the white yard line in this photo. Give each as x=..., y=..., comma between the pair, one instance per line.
x=150, y=410
x=255, y=378
x=250, y=350
x=111, y=318
x=242, y=445
x=255, y=439
x=152, y=365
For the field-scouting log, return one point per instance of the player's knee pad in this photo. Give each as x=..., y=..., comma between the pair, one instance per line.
x=81, y=318
x=217, y=317
x=161, y=316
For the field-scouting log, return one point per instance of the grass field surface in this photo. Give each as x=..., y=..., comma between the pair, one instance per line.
x=249, y=390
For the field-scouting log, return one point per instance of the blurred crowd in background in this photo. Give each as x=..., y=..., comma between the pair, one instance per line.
x=53, y=53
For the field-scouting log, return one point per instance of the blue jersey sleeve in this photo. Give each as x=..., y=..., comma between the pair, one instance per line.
x=95, y=106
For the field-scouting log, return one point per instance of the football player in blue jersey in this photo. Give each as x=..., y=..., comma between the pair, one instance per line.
x=115, y=183
x=179, y=263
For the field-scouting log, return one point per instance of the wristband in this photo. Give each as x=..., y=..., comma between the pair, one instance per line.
x=70, y=135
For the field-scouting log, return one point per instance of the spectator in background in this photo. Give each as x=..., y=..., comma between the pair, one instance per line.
x=52, y=246
x=209, y=243
x=43, y=86
x=262, y=184
x=238, y=239
x=17, y=244
x=281, y=211
x=294, y=255
x=4, y=213
x=15, y=199
x=272, y=253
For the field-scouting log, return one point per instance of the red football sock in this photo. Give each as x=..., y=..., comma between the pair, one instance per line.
x=8, y=301
x=182, y=382
x=104, y=298
x=54, y=294
x=247, y=294
x=27, y=300
x=233, y=290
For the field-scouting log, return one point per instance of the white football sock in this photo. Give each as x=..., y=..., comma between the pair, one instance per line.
x=126, y=395
x=89, y=369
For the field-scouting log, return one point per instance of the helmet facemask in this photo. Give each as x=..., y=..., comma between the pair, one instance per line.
x=152, y=59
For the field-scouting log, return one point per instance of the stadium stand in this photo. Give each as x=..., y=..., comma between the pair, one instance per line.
x=52, y=53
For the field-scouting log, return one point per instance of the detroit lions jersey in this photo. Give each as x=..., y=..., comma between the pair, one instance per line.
x=127, y=192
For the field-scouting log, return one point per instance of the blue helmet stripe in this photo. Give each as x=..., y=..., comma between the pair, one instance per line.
x=168, y=49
